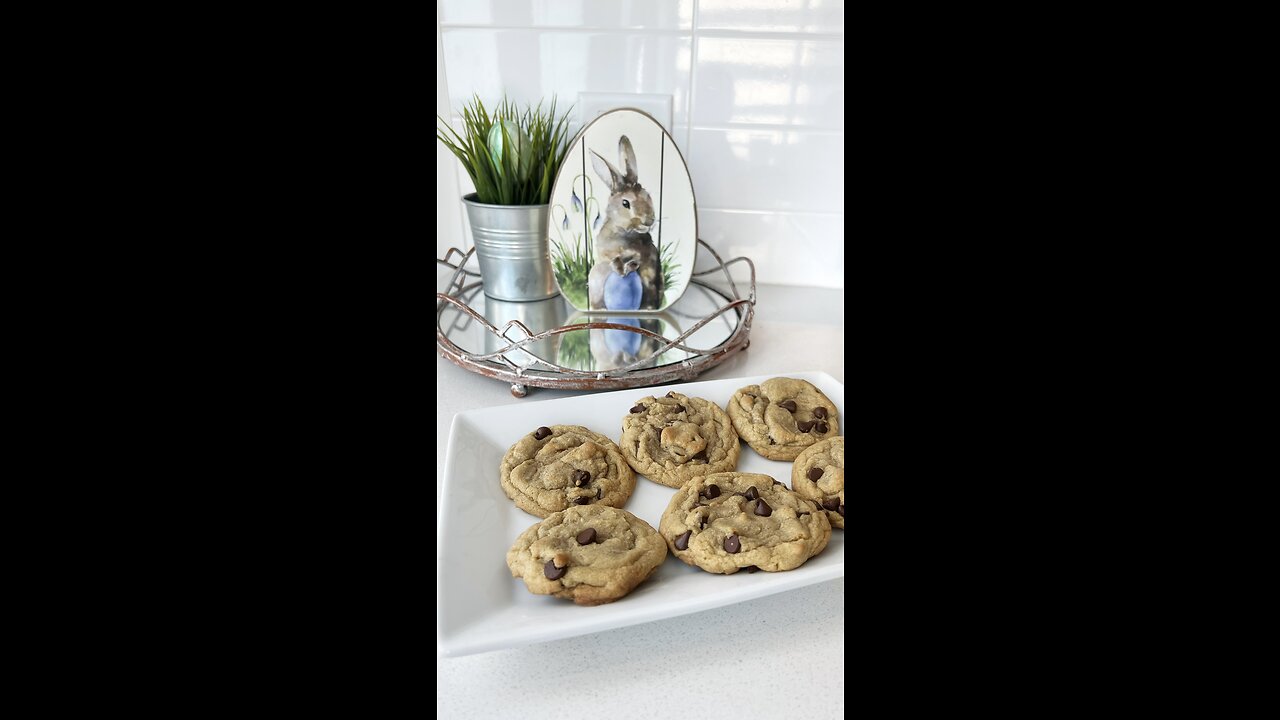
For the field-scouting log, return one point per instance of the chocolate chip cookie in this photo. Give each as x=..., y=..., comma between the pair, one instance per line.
x=818, y=475
x=552, y=468
x=590, y=555
x=727, y=522
x=673, y=438
x=782, y=416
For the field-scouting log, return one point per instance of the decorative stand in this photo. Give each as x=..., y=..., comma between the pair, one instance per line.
x=530, y=369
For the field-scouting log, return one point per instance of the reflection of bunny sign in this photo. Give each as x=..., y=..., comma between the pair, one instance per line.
x=629, y=216
x=616, y=348
x=616, y=285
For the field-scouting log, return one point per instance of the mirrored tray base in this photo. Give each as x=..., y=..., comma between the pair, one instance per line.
x=547, y=343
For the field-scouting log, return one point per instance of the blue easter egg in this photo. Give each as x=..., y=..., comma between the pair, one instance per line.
x=622, y=293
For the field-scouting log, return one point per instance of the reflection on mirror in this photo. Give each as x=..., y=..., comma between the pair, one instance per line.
x=537, y=315
x=614, y=348
x=588, y=349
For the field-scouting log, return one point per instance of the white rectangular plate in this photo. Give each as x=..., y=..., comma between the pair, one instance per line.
x=480, y=607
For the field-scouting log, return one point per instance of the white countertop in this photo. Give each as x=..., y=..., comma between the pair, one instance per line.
x=779, y=656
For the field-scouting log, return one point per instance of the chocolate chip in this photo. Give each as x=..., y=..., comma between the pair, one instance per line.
x=815, y=473
x=820, y=413
x=679, y=408
x=599, y=493
x=841, y=511
x=751, y=569
x=541, y=433
x=702, y=524
x=582, y=501
x=752, y=493
x=804, y=425
x=830, y=504
x=732, y=545
x=776, y=482
x=586, y=537
x=821, y=427
x=702, y=455
x=713, y=491
x=637, y=408
x=763, y=509
x=671, y=394
x=788, y=405
x=552, y=572
x=682, y=542
x=581, y=477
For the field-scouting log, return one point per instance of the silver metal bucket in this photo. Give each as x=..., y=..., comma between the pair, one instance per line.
x=511, y=244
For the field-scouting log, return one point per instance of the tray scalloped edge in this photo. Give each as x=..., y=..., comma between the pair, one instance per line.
x=539, y=372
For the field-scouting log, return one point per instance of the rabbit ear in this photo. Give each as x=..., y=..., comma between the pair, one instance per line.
x=627, y=156
x=607, y=172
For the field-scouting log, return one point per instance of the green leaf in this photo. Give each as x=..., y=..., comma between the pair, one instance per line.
x=512, y=155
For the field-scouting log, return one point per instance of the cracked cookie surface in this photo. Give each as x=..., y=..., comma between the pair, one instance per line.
x=674, y=438
x=818, y=475
x=556, y=467
x=590, y=554
x=781, y=417
x=727, y=522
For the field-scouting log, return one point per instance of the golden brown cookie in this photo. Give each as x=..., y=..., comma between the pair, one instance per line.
x=591, y=554
x=782, y=416
x=554, y=467
x=673, y=438
x=818, y=475
x=727, y=522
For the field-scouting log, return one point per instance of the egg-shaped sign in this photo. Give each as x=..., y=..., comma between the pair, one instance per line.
x=623, y=223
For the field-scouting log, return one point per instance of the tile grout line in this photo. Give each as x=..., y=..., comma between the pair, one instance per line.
x=739, y=127
x=693, y=89
x=693, y=30
x=748, y=211
x=768, y=127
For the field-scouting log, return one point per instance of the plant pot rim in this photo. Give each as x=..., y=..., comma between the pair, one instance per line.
x=473, y=199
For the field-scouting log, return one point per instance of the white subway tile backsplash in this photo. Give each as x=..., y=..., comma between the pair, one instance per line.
x=768, y=169
x=757, y=105
x=532, y=65
x=786, y=248
x=619, y=14
x=824, y=16
x=770, y=81
x=680, y=134
x=448, y=225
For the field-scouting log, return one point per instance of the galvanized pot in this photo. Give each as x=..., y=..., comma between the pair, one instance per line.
x=511, y=244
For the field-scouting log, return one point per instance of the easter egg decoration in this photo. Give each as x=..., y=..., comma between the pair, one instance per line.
x=623, y=194
x=623, y=289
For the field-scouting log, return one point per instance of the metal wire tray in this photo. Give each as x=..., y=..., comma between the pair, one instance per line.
x=535, y=371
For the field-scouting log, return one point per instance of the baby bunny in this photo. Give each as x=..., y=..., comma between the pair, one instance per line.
x=629, y=215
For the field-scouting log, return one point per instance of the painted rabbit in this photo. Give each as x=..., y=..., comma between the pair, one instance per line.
x=629, y=216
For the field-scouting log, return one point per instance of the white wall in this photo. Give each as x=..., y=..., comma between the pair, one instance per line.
x=758, y=105
x=448, y=222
